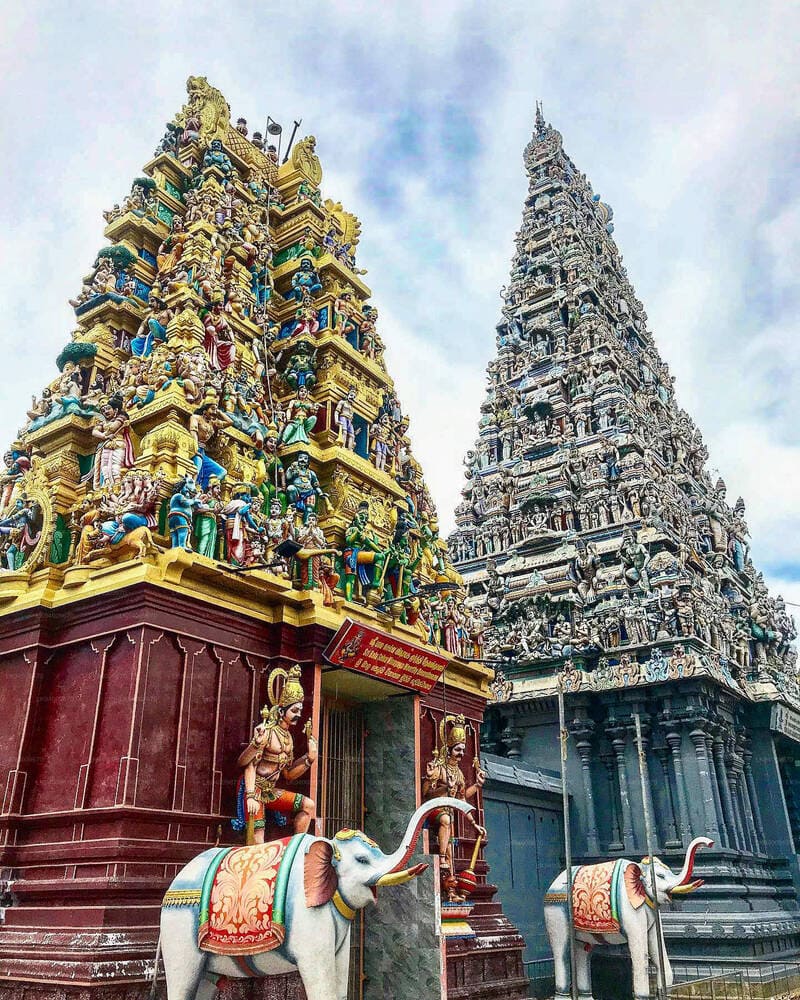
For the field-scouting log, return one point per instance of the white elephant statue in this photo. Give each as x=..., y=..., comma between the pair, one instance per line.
x=241, y=912
x=612, y=904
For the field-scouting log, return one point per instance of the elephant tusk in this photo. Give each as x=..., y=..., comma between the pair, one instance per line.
x=397, y=878
x=687, y=887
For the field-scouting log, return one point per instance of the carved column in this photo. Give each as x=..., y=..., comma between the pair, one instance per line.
x=616, y=837
x=724, y=836
x=720, y=764
x=619, y=743
x=583, y=743
x=735, y=767
x=663, y=754
x=752, y=798
x=647, y=788
x=698, y=737
x=674, y=741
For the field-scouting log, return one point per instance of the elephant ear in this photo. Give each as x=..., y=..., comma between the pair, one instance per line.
x=319, y=875
x=634, y=885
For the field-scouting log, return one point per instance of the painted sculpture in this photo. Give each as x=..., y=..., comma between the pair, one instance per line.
x=443, y=776
x=207, y=369
x=239, y=913
x=269, y=759
x=612, y=903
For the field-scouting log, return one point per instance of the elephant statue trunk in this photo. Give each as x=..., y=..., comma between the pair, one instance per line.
x=395, y=874
x=685, y=883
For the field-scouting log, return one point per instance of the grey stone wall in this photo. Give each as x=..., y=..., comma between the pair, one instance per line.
x=401, y=947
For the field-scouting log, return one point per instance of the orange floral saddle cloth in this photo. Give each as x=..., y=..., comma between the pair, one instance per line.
x=243, y=897
x=596, y=894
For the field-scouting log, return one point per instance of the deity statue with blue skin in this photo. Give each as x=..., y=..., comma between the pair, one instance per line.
x=153, y=328
x=204, y=424
x=306, y=278
x=182, y=505
x=19, y=533
x=217, y=157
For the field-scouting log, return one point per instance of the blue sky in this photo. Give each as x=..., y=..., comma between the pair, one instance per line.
x=682, y=115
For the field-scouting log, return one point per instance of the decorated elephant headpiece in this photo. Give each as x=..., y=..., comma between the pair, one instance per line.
x=283, y=689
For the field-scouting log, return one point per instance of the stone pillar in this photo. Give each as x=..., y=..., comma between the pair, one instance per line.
x=616, y=836
x=724, y=836
x=619, y=743
x=752, y=798
x=672, y=838
x=725, y=790
x=684, y=823
x=735, y=768
x=583, y=743
x=650, y=804
x=698, y=737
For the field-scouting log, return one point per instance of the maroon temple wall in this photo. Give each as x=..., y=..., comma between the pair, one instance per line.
x=123, y=720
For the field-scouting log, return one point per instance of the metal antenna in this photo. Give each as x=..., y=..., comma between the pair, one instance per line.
x=563, y=736
x=648, y=833
x=297, y=125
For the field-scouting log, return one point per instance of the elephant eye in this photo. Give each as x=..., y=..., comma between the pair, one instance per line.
x=362, y=859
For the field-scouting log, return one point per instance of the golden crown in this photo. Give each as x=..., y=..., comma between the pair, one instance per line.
x=284, y=689
x=457, y=733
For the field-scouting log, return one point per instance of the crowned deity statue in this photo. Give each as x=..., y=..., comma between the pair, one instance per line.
x=364, y=555
x=444, y=777
x=115, y=450
x=269, y=761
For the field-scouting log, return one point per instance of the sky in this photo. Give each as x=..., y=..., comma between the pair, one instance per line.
x=682, y=115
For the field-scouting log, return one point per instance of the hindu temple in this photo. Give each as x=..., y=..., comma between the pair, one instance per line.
x=601, y=555
x=211, y=518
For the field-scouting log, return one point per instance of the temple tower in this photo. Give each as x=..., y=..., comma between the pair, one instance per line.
x=596, y=545
x=219, y=482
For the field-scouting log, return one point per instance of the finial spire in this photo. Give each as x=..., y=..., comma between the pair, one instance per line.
x=540, y=122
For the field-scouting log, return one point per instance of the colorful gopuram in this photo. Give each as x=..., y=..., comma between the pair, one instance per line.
x=218, y=489
x=599, y=550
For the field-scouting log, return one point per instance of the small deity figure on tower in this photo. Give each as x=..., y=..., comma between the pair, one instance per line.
x=444, y=777
x=364, y=555
x=308, y=561
x=301, y=417
x=183, y=502
x=204, y=424
x=115, y=450
x=302, y=485
x=345, y=311
x=305, y=279
x=269, y=759
x=343, y=418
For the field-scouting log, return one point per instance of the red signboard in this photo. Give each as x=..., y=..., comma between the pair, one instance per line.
x=358, y=647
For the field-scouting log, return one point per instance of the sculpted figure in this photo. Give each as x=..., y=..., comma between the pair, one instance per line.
x=343, y=417
x=302, y=485
x=305, y=279
x=612, y=902
x=308, y=561
x=17, y=462
x=218, y=341
x=634, y=559
x=444, y=777
x=269, y=760
x=364, y=555
x=301, y=417
x=204, y=424
x=115, y=450
x=205, y=519
x=583, y=569
x=182, y=504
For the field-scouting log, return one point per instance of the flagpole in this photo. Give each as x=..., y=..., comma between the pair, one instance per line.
x=563, y=736
x=661, y=985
